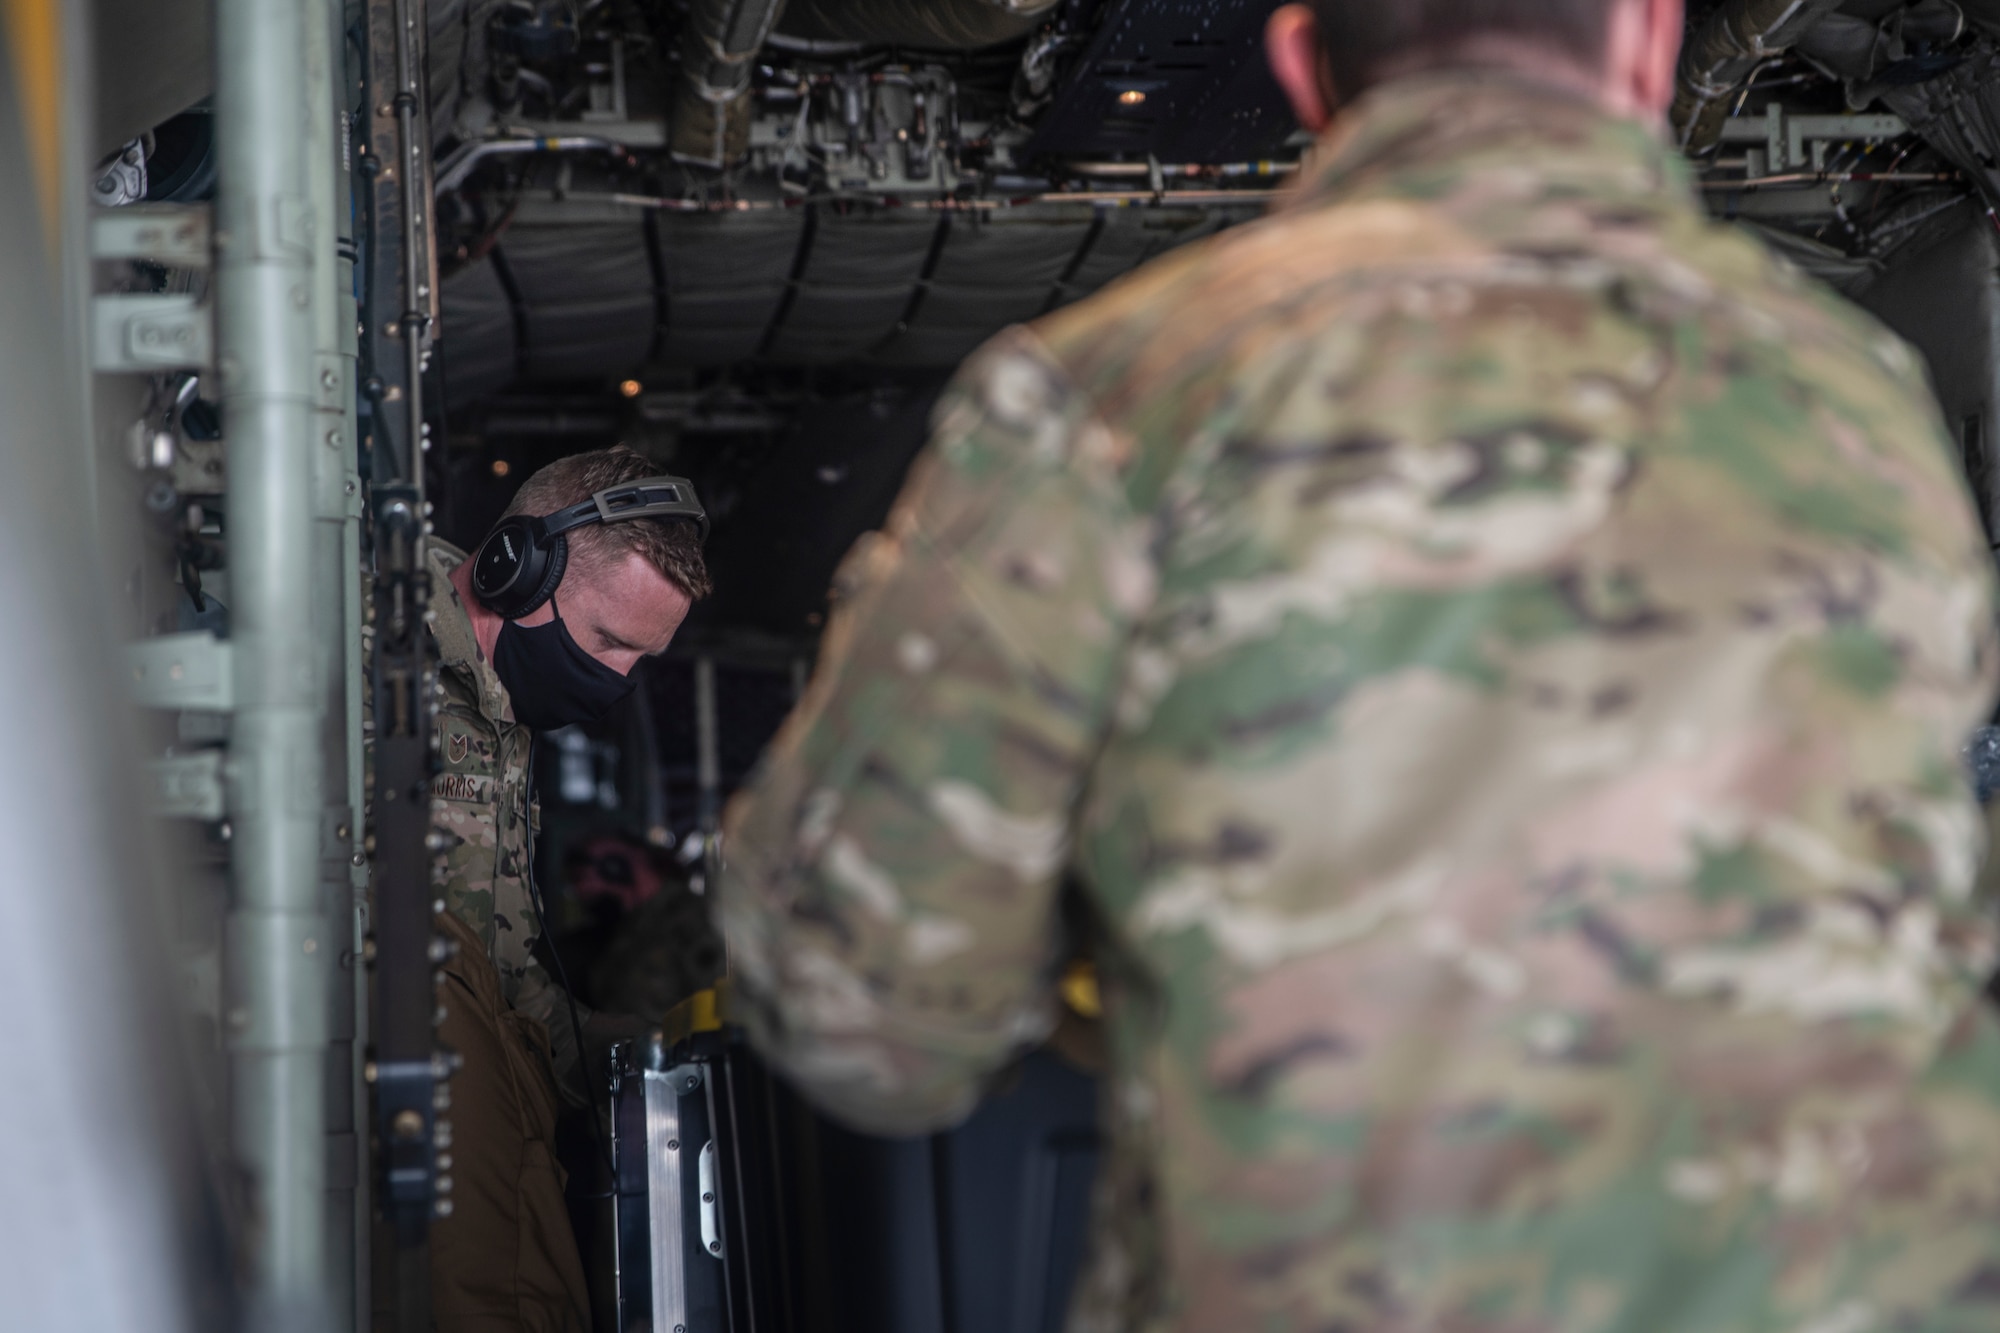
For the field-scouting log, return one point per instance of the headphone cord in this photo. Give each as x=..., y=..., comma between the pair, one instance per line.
x=562, y=979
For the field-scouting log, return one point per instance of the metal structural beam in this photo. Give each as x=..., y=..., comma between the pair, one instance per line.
x=708, y=761
x=407, y=1068
x=1787, y=142
x=278, y=940
x=337, y=616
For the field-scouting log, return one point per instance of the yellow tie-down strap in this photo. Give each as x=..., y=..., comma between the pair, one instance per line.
x=703, y=1011
x=1080, y=992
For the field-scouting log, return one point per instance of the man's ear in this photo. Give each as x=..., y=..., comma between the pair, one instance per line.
x=1291, y=42
x=1644, y=56
x=1668, y=26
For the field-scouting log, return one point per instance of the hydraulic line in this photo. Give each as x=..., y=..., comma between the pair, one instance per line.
x=1725, y=52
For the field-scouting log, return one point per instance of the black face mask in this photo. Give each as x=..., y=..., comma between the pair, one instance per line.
x=552, y=682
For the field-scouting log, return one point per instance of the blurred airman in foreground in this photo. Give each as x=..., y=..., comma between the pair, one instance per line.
x=1489, y=648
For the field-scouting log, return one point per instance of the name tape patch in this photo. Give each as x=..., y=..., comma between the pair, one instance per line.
x=463, y=787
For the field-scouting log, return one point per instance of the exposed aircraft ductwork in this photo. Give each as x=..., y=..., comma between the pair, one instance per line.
x=711, y=112
x=887, y=205
x=959, y=25
x=1725, y=52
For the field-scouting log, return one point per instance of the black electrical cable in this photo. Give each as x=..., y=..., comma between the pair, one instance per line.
x=562, y=979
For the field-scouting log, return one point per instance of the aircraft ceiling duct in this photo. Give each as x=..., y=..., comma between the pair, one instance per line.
x=711, y=114
x=959, y=25
x=1723, y=54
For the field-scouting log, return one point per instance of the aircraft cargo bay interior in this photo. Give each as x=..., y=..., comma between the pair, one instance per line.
x=466, y=460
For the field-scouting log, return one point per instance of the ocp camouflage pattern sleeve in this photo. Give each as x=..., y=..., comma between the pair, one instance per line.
x=483, y=812
x=890, y=896
x=1535, y=874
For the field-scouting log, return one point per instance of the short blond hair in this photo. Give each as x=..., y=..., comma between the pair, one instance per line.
x=672, y=546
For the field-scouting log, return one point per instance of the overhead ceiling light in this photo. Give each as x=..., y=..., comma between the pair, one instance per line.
x=1131, y=97
x=501, y=467
x=631, y=388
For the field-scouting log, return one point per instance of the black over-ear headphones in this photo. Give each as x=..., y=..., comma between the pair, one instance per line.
x=521, y=565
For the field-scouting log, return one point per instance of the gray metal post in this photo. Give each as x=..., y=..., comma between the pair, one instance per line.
x=278, y=943
x=95, y=1108
x=336, y=601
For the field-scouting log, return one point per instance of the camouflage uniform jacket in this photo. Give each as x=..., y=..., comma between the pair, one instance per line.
x=480, y=799
x=1490, y=648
